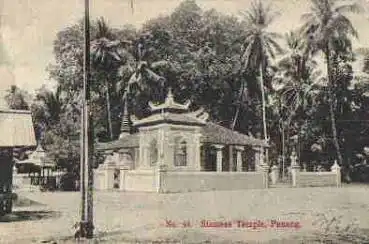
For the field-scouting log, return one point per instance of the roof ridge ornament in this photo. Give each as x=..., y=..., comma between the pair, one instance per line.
x=170, y=103
x=200, y=114
x=170, y=98
x=39, y=147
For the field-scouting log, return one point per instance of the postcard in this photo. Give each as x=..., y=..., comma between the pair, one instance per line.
x=191, y=121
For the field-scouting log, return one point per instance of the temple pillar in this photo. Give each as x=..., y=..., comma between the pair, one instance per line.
x=231, y=160
x=258, y=157
x=219, y=149
x=202, y=157
x=337, y=169
x=197, y=152
x=239, y=149
x=136, y=158
x=295, y=168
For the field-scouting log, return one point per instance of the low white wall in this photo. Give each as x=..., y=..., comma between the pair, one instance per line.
x=100, y=180
x=185, y=181
x=144, y=181
x=174, y=181
x=19, y=180
x=306, y=179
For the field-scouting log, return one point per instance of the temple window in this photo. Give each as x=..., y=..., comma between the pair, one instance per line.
x=153, y=152
x=180, y=152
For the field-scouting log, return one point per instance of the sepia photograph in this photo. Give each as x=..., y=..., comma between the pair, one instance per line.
x=184, y=121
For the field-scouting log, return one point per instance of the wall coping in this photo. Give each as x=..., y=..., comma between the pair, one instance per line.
x=318, y=173
x=224, y=173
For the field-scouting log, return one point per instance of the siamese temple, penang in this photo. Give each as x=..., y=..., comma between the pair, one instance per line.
x=176, y=148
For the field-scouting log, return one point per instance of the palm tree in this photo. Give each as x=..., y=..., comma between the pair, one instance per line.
x=106, y=52
x=324, y=25
x=136, y=72
x=52, y=105
x=260, y=46
x=16, y=98
x=296, y=83
x=297, y=75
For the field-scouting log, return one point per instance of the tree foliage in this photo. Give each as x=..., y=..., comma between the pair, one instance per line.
x=217, y=61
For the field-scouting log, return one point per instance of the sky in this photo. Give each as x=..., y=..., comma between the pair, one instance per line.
x=28, y=28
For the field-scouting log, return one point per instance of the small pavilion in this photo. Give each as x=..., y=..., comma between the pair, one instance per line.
x=180, y=140
x=37, y=159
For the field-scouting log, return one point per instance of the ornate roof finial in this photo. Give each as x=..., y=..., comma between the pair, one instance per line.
x=169, y=104
x=170, y=98
x=39, y=147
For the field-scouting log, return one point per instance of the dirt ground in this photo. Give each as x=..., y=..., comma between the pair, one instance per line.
x=281, y=215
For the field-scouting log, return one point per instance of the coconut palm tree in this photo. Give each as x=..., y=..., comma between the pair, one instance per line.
x=260, y=46
x=296, y=83
x=16, y=98
x=52, y=105
x=297, y=74
x=106, y=52
x=136, y=72
x=325, y=24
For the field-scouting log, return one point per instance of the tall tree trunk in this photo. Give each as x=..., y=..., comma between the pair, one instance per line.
x=264, y=111
x=238, y=107
x=108, y=110
x=283, y=150
x=331, y=106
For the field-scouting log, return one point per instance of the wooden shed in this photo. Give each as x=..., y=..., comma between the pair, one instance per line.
x=16, y=130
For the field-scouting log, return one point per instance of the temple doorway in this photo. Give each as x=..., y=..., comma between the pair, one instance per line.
x=116, y=178
x=209, y=158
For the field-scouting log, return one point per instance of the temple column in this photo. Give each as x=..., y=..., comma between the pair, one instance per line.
x=295, y=168
x=231, y=160
x=258, y=157
x=239, y=158
x=219, y=149
x=197, y=151
x=202, y=157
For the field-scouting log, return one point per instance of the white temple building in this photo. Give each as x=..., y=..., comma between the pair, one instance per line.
x=176, y=150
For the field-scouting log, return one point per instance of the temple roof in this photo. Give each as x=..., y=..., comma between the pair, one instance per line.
x=210, y=133
x=172, y=112
x=169, y=104
x=16, y=129
x=128, y=141
x=169, y=117
x=175, y=113
x=38, y=158
x=213, y=133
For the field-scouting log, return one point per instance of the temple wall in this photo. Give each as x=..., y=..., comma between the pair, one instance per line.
x=208, y=181
x=192, y=138
x=143, y=181
x=183, y=181
x=146, y=136
x=165, y=136
x=308, y=179
x=20, y=180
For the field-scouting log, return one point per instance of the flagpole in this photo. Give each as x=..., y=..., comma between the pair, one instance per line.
x=86, y=226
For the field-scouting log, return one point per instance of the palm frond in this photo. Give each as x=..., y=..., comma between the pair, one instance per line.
x=246, y=55
x=344, y=24
x=160, y=64
x=274, y=44
x=269, y=49
x=153, y=75
x=350, y=8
